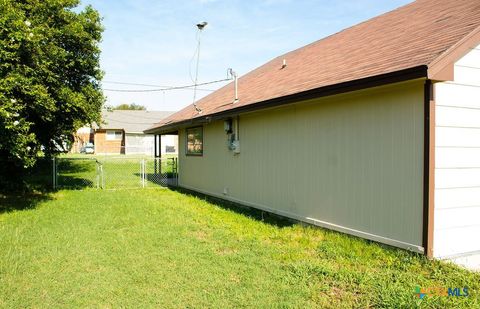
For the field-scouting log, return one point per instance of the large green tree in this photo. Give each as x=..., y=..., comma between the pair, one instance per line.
x=132, y=107
x=49, y=78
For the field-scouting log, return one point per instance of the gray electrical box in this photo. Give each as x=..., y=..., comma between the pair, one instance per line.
x=227, y=125
x=236, y=146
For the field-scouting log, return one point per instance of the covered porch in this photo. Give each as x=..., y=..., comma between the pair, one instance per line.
x=166, y=158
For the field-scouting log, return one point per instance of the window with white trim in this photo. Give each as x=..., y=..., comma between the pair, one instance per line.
x=194, y=141
x=114, y=135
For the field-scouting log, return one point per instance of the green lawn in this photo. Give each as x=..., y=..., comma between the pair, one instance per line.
x=160, y=248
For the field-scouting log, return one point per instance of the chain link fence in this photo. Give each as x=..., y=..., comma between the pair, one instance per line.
x=114, y=172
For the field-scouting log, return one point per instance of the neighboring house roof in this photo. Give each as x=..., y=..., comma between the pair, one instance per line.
x=130, y=121
x=421, y=39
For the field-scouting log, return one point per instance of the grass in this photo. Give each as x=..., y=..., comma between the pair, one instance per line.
x=161, y=248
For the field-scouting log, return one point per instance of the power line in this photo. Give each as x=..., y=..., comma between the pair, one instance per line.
x=168, y=88
x=148, y=85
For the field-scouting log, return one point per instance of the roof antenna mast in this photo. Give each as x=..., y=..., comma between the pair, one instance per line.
x=200, y=27
x=233, y=74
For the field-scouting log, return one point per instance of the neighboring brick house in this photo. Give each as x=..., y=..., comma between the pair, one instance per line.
x=83, y=136
x=121, y=132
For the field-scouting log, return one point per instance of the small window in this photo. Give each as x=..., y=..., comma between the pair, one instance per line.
x=114, y=135
x=195, y=141
x=170, y=149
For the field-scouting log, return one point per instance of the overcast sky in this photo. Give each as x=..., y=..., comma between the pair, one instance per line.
x=153, y=42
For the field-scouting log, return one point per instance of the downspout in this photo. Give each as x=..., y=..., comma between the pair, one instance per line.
x=428, y=168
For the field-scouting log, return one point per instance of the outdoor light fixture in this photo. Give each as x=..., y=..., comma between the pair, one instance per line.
x=202, y=25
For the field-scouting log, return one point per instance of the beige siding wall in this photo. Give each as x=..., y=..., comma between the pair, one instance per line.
x=351, y=162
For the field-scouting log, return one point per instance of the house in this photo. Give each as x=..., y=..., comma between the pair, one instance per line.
x=82, y=137
x=121, y=132
x=373, y=131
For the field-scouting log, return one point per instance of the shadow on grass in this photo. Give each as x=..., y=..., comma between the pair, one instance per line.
x=74, y=183
x=256, y=214
x=40, y=177
x=73, y=165
x=21, y=201
x=72, y=173
x=164, y=179
x=338, y=245
x=76, y=174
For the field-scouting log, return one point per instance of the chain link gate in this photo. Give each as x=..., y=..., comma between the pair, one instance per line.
x=161, y=171
x=76, y=173
x=114, y=172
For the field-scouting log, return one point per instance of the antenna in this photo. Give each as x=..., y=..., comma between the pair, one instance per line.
x=200, y=27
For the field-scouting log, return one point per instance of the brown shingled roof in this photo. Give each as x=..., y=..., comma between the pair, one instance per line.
x=423, y=33
x=131, y=121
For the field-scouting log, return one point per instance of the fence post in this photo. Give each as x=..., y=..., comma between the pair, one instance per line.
x=176, y=171
x=98, y=174
x=54, y=174
x=102, y=176
x=144, y=173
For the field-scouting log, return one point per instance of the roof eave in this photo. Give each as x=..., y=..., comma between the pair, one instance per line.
x=441, y=69
x=358, y=84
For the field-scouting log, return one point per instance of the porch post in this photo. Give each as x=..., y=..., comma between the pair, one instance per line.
x=155, y=153
x=160, y=153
